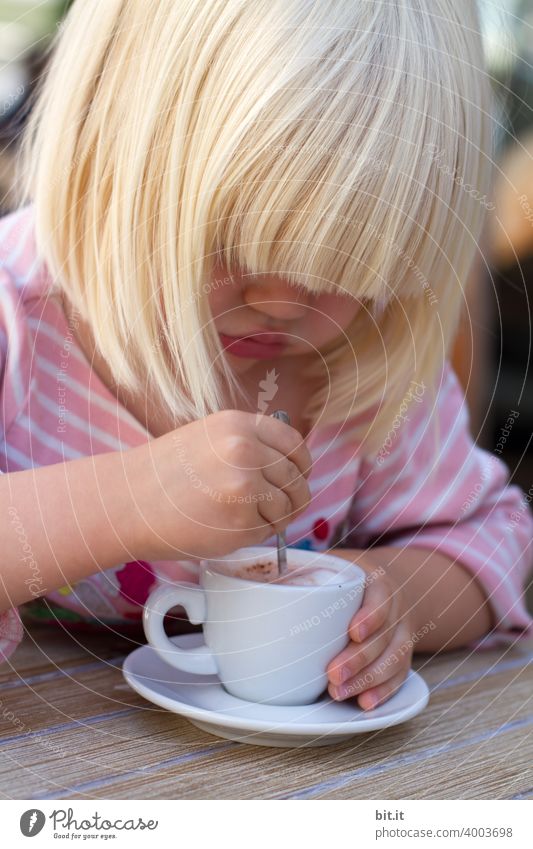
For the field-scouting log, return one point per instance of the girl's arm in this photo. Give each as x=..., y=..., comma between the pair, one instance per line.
x=446, y=545
x=438, y=512
x=58, y=524
x=414, y=601
x=447, y=606
x=61, y=523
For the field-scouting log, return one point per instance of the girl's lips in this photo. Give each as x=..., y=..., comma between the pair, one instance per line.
x=260, y=347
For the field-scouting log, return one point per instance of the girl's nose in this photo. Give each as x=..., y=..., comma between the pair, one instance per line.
x=277, y=299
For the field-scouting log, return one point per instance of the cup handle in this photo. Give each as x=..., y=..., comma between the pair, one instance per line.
x=198, y=660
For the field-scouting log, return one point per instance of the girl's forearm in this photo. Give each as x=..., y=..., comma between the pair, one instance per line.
x=60, y=523
x=446, y=604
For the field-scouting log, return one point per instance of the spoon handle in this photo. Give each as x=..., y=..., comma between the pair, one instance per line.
x=280, y=538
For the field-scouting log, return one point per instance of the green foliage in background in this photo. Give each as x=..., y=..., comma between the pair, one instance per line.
x=25, y=24
x=36, y=14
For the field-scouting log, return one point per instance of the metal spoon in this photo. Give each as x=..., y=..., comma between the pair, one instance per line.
x=280, y=538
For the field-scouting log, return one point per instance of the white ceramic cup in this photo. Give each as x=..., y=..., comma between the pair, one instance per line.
x=267, y=642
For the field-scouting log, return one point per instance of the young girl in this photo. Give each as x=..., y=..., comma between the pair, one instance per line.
x=234, y=206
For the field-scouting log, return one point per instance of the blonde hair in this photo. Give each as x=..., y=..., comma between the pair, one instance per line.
x=327, y=142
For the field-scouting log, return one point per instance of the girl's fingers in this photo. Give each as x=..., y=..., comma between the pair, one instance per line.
x=283, y=505
x=277, y=511
x=374, y=611
x=356, y=656
x=377, y=695
x=284, y=439
x=284, y=474
x=387, y=666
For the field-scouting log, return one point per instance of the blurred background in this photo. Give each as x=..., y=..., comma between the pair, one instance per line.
x=493, y=350
x=27, y=29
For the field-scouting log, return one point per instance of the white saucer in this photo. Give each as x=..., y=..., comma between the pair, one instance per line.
x=203, y=700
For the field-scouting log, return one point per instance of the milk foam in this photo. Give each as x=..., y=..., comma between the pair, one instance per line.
x=266, y=571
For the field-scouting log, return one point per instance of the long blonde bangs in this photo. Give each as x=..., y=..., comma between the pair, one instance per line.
x=342, y=145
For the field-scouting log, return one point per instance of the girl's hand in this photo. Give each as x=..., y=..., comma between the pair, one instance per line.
x=229, y=480
x=375, y=663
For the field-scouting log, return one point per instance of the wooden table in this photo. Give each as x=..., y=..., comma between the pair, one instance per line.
x=70, y=728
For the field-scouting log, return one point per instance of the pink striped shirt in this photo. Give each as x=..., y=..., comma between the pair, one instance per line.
x=55, y=408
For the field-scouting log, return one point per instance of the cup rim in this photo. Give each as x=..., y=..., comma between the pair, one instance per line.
x=354, y=582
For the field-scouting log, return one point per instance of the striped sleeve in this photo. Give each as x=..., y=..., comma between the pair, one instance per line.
x=14, y=386
x=431, y=487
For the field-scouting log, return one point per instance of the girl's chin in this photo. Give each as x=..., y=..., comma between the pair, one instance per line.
x=240, y=364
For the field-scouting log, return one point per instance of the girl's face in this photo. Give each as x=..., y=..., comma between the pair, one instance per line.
x=282, y=319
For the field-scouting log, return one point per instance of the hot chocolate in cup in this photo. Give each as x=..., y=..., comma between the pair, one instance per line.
x=268, y=638
x=265, y=570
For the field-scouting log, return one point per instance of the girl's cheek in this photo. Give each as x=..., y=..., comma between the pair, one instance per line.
x=224, y=306
x=335, y=314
